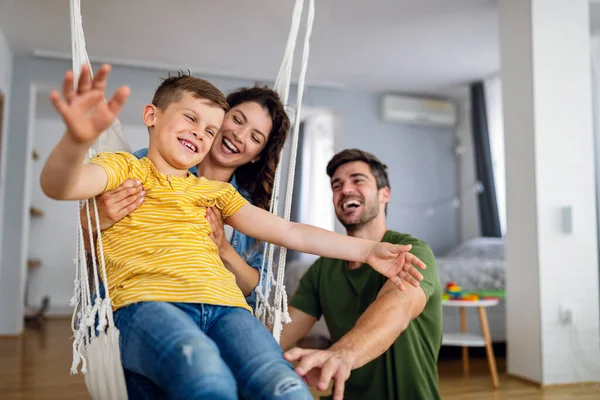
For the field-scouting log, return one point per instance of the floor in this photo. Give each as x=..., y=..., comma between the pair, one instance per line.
x=36, y=366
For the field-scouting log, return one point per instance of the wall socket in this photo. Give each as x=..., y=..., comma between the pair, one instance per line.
x=565, y=314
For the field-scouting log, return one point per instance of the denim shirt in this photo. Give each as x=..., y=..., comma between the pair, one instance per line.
x=242, y=244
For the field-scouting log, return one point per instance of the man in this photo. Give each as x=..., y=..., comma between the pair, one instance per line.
x=386, y=341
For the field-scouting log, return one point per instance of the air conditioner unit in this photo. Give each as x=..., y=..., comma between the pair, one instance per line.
x=418, y=111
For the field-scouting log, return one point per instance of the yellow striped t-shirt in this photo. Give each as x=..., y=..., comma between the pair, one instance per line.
x=162, y=251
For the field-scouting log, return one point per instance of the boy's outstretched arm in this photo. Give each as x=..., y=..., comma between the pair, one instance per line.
x=87, y=115
x=391, y=260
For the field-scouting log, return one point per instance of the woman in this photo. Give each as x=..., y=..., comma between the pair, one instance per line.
x=245, y=153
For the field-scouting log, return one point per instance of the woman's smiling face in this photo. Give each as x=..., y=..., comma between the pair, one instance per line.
x=243, y=135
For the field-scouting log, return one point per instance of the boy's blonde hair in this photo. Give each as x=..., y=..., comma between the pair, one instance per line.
x=172, y=88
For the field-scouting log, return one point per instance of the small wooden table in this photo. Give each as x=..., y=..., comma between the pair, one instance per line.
x=466, y=340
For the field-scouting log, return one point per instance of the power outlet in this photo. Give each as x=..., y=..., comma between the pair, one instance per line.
x=565, y=314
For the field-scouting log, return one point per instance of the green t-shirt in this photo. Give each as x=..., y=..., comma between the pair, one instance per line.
x=408, y=369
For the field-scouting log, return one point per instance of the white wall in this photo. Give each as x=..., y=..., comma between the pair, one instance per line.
x=564, y=133
x=6, y=62
x=550, y=164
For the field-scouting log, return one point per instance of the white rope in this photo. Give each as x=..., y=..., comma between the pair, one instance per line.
x=282, y=87
x=284, y=76
x=280, y=288
x=278, y=313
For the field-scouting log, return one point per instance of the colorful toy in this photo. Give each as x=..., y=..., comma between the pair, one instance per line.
x=455, y=292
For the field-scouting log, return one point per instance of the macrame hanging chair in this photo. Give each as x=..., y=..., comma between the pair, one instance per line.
x=96, y=338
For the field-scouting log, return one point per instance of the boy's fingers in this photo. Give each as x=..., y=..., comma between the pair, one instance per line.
x=90, y=99
x=398, y=282
x=414, y=260
x=398, y=248
x=413, y=271
x=99, y=82
x=118, y=100
x=59, y=104
x=68, y=88
x=85, y=83
x=411, y=280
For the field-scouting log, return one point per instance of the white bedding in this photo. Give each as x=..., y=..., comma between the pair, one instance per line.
x=476, y=265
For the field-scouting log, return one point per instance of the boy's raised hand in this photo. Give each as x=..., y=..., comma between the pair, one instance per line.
x=84, y=110
x=395, y=262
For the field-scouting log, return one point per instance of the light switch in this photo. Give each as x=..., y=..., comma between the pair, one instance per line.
x=567, y=219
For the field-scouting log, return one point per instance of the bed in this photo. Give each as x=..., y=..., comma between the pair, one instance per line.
x=477, y=265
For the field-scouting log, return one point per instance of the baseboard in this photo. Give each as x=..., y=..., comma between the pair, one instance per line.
x=17, y=336
x=568, y=385
x=524, y=380
x=538, y=385
x=59, y=312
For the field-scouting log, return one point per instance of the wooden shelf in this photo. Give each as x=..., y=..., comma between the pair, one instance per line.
x=33, y=264
x=463, y=339
x=36, y=212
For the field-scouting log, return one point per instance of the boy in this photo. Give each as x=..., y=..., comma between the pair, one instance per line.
x=184, y=323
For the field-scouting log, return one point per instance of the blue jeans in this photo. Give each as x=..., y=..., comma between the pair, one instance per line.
x=200, y=351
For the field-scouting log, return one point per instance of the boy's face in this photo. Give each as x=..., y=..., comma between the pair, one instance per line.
x=184, y=132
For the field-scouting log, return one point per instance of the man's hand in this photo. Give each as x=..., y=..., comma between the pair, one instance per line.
x=115, y=205
x=319, y=367
x=85, y=111
x=394, y=261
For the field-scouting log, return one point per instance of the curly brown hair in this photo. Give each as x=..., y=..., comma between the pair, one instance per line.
x=257, y=178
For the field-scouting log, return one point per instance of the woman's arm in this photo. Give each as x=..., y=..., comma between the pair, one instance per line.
x=246, y=277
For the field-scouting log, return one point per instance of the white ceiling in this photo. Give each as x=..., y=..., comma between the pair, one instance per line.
x=402, y=45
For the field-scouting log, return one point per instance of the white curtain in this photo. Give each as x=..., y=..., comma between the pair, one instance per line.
x=315, y=203
x=493, y=104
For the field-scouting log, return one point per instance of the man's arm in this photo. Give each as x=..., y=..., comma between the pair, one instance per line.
x=376, y=330
x=381, y=324
x=297, y=329
x=390, y=260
